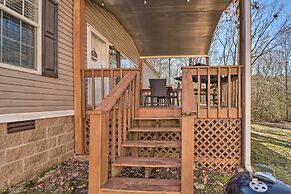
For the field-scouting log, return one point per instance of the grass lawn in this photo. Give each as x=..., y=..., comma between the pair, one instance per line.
x=271, y=145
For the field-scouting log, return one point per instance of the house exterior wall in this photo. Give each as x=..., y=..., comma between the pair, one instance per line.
x=23, y=154
x=22, y=92
x=48, y=101
x=148, y=73
x=109, y=27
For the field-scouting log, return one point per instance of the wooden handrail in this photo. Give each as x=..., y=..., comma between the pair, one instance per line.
x=109, y=101
x=107, y=72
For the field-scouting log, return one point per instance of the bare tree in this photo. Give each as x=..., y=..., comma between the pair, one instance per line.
x=267, y=27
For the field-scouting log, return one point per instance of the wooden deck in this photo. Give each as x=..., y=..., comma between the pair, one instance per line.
x=124, y=135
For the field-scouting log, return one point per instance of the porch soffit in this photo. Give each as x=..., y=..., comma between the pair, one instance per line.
x=162, y=28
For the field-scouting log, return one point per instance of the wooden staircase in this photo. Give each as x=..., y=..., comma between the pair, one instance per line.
x=132, y=158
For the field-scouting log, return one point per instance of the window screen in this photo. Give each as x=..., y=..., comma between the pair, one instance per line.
x=18, y=37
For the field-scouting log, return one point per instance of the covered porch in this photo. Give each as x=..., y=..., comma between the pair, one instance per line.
x=207, y=126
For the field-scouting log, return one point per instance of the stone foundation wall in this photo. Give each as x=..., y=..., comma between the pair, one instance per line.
x=23, y=154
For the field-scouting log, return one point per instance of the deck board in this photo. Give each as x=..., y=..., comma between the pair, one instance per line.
x=148, y=162
x=156, y=129
x=139, y=185
x=151, y=144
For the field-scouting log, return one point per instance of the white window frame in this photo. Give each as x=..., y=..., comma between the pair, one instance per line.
x=38, y=44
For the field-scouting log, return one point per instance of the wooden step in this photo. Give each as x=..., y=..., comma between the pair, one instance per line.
x=138, y=185
x=151, y=144
x=155, y=129
x=148, y=162
x=159, y=111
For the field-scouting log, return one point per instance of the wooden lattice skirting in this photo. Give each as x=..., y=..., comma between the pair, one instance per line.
x=217, y=143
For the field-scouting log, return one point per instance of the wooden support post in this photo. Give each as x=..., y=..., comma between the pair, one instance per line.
x=187, y=168
x=98, y=166
x=141, y=67
x=78, y=54
x=245, y=60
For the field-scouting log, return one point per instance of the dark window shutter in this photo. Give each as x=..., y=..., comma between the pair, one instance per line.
x=50, y=38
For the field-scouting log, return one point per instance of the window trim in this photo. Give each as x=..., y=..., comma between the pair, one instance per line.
x=38, y=44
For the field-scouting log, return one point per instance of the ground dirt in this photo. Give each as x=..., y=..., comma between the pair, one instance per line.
x=271, y=145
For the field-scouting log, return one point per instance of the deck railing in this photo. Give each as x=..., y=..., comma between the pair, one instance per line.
x=99, y=82
x=109, y=124
x=96, y=85
x=212, y=91
x=211, y=119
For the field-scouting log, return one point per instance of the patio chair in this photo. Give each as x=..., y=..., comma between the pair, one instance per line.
x=159, y=92
x=174, y=94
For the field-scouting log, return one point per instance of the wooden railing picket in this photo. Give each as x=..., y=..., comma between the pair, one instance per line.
x=198, y=92
x=124, y=116
x=119, y=117
x=102, y=85
x=208, y=92
x=218, y=92
x=93, y=89
x=229, y=91
x=239, y=92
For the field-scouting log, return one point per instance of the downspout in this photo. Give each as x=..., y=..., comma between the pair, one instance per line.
x=245, y=59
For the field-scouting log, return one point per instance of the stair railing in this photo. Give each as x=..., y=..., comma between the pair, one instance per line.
x=97, y=83
x=109, y=124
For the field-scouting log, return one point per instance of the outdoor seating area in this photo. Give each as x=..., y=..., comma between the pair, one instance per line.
x=161, y=94
x=216, y=87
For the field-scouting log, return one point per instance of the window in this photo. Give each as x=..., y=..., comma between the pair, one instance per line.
x=117, y=60
x=18, y=35
x=127, y=63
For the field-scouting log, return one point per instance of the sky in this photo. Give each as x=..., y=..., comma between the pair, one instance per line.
x=287, y=3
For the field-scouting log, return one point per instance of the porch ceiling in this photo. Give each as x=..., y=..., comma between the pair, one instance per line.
x=163, y=28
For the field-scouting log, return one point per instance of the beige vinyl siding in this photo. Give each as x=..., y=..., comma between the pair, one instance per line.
x=22, y=92
x=107, y=25
x=148, y=73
